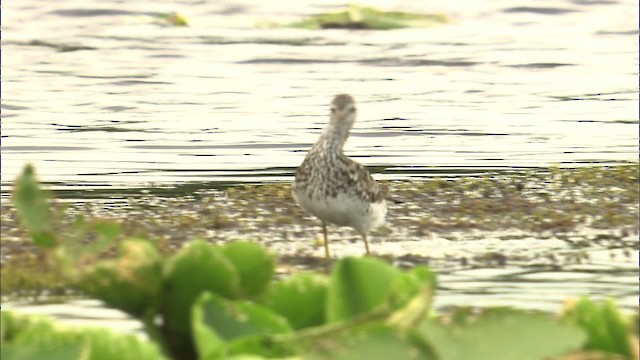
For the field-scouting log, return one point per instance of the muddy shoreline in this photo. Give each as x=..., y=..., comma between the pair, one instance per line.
x=551, y=218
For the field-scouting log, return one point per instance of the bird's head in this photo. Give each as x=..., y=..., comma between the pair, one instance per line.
x=343, y=111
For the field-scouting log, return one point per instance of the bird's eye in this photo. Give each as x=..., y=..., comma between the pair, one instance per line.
x=352, y=109
x=333, y=110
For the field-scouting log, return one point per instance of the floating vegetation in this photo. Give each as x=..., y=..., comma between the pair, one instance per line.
x=548, y=200
x=368, y=18
x=171, y=19
x=540, y=203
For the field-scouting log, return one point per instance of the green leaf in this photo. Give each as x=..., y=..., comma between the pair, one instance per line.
x=44, y=352
x=425, y=275
x=412, y=293
x=359, y=285
x=44, y=239
x=232, y=319
x=604, y=323
x=403, y=288
x=13, y=325
x=261, y=345
x=634, y=323
x=31, y=202
x=37, y=336
x=415, y=311
x=617, y=328
x=75, y=243
x=32, y=207
x=218, y=321
x=372, y=342
x=301, y=299
x=107, y=232
x=131, y=283
x=197, y=268
x=108, y=345
x=209, y=345
x=503, y=334
x=252, y=357
x=254, y=264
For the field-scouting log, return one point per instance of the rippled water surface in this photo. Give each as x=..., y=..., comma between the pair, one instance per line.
x=504, y=84
x=98, y=95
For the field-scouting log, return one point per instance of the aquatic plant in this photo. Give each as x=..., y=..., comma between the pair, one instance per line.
x=360, y=17
x=171, y=19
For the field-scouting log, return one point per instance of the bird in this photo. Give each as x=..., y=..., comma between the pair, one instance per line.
x=335, y=188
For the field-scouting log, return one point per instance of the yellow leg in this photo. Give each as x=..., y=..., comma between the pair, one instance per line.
x=366, y=243
x=326, y=240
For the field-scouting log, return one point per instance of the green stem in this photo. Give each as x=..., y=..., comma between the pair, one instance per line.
x=322, y=332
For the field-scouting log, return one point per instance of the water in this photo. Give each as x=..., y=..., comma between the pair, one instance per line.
x=501, y=86
x=223, y=102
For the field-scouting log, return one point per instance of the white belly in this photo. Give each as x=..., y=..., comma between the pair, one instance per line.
x=345, y=210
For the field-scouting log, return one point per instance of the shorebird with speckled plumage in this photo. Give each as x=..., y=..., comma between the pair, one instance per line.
x=333, y=187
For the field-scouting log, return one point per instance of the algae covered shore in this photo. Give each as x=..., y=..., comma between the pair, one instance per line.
x=537, y=217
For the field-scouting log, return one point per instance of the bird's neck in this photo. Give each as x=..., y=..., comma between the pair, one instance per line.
x=335, y=135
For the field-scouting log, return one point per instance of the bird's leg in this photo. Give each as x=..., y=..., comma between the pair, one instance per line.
x=366, y=243
x=326, y=240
